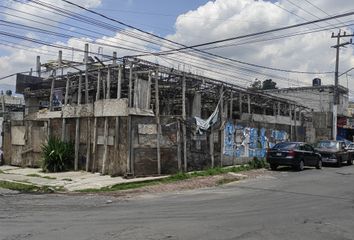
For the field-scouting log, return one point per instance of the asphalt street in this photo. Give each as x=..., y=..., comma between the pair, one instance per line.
x=313, y=204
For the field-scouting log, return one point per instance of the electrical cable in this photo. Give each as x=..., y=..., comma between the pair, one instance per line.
x=223, y=40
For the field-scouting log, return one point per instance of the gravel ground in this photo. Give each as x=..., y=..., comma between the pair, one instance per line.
x=188, y=184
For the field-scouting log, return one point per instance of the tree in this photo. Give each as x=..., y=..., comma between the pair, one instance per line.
x=265, y=85
x=269, y=84
x=8, y=92
x=256, y=85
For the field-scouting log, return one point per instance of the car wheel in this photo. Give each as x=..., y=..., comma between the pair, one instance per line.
x=273, y=167
x=301, y=165
x=339, y=162
x=319, y=164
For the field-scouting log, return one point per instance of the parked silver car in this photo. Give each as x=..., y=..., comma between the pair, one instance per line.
x=334, y=152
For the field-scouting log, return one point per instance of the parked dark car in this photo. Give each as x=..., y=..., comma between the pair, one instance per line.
x=350, y=149
x=334, y=152
x=295, y=154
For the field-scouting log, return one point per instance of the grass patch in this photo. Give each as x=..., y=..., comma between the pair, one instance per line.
x=26, y=188
x=2, y=172
x=254, y=164
x=40, y=176
x=67, y=179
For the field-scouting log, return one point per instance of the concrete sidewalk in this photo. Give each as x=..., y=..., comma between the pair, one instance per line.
x=69, y=181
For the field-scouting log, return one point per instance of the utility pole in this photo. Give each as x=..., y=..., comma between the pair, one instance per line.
x=336, y=77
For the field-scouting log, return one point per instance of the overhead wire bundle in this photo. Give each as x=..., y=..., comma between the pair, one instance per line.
x=145, y=44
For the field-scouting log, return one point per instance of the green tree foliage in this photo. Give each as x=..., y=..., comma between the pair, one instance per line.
x=57, y=155
x=256, y=85
x=269, y=84
x=265, y=85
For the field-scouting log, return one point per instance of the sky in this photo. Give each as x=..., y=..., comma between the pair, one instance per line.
x=189, y=22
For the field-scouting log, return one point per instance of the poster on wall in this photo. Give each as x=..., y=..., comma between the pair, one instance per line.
x=242, y=141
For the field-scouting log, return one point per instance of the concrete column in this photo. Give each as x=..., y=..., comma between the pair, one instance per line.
x=222, y=117
x=38, y=66
x=291, y=123
x=231, y=104
x=197, y=105
x=295, y=129
x=240, y=103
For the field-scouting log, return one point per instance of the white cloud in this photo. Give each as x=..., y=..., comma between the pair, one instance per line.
x=227, y=18
x=221, y=19
x=19, y=60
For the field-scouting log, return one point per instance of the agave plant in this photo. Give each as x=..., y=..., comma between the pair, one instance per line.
x=57, y=155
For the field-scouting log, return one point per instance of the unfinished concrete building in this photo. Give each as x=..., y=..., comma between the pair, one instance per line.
x=128, y=116
x=320, y=98
x=11, y=107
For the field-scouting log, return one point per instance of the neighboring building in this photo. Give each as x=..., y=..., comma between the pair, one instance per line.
x=11, y=108
x=320, y=99
x=346, y=124
x=350, y=111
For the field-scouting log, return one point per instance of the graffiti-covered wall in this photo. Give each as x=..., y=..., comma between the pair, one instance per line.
x=247, y=142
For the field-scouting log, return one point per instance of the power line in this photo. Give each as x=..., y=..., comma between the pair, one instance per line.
x=260, y=33
x=219, y=41
x=62, y=35
x=308, y=12
x=320, y=9
x=67, y=30
x=235, y=61
x=248, y=70
x=314, y=30
x=316, y=73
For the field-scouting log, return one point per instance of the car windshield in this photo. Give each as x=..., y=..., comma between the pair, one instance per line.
x=327, y=144
x=285, y=146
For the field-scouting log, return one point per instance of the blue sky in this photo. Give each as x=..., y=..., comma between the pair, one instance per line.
x=158, y=16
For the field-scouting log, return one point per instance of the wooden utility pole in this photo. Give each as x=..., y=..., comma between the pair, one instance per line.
x=106, y=127
x=77, y=126
x=184, y=129
x=291, y=123
x=117, y=122
x=148, y=94
x=240, y=104
x=88, y=142
x=158, y=124
x=295, y=124
x=38, y=66
x=94, y=147
x=179, y=147
x=63, y=126
x=222, y=120
x=130, y=87
x=231, y=104
x=336, y=78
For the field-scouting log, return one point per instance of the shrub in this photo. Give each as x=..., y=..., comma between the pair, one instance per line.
x=58, y=156
x=256, y=163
